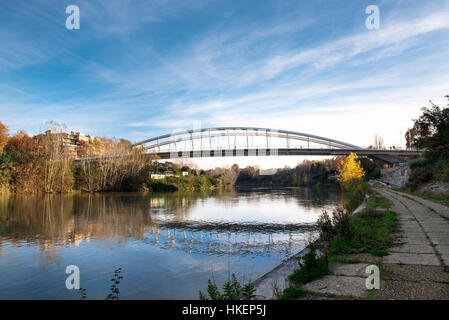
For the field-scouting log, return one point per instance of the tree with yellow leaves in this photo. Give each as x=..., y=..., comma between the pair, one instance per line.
x=349, y=170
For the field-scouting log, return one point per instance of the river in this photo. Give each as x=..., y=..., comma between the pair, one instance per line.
x=166, y=245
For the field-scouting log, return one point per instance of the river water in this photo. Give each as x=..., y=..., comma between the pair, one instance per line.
x=166, y=245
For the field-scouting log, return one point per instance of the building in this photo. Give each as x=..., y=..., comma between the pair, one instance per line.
x=157, y=176
x=80, y=145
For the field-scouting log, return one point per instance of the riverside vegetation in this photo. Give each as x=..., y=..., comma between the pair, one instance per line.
x=44, y=164
x=431, y=133
x=369, y=231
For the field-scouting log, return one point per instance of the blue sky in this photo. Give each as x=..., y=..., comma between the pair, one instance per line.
x=136, y=69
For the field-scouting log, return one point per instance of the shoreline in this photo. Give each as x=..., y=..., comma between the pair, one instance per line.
x=276, y=280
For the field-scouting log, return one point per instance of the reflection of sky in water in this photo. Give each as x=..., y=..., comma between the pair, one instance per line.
x=167, y=245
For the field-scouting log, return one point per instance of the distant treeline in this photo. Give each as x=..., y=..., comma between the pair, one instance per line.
x=306, y=173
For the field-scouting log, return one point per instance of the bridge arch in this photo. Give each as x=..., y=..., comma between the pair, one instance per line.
x=216, y=142
x=219, y=138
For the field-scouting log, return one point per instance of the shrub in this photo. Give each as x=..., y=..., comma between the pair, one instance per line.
x=159, y=186
x=291, y=293
x=337, y=225
x=311, y=267
x=356, y=195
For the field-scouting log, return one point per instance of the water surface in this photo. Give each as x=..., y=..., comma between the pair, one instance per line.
x=167, y=245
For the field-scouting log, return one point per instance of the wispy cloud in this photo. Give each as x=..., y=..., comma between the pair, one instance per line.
x=143, y=68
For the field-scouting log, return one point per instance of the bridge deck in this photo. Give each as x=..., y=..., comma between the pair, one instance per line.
x=283, y=152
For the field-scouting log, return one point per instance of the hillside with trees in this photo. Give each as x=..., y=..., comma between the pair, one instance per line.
x=430, y=132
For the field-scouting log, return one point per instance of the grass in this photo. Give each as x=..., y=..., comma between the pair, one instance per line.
x=437, y=198
x=379, y=253
x=378, y=201
x=370, y=231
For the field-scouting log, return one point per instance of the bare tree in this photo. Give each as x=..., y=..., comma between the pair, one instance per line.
x=57, y=158
x=120, y=162
x=378, y=142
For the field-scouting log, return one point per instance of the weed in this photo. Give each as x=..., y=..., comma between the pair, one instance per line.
x=379, y=253
x=232, y=290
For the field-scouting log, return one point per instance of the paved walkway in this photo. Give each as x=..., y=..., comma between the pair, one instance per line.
x=416, y=268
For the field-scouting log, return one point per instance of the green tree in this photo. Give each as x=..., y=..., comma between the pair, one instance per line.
x=431, y=132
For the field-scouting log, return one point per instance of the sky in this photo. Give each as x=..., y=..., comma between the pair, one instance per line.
x=138, y=69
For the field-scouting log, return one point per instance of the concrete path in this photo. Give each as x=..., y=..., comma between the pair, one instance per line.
x=416, y=267
x=425, y=233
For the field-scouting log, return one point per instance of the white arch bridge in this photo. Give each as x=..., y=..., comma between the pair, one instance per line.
x=250, y=141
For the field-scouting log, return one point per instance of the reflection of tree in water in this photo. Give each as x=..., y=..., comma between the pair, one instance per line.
x=69, y=219
x=53, y=220
x=307, y=197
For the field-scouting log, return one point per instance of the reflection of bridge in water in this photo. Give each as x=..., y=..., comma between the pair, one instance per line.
x=249, y=141
x=216, y=241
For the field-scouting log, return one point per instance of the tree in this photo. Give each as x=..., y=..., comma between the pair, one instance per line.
x=431, y=132
x=378, y=142
x=349, y=170
x=4, y=134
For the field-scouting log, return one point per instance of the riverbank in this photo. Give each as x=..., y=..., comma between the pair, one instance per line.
x=185, y=183
x=415, y=266
x=272, y=284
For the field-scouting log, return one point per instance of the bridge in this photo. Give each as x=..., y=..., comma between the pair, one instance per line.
x=250, y=141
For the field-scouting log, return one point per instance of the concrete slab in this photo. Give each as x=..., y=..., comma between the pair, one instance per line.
x=406, y=218
x=349, y=269
x=440, y=240
x=436, y=230
x=414, y=234
x=442, y=249
x=413, y=240
x=413, y=248
x=414, y=273
x=437, y=234
x=445, y=258
x=405, y=290
x=339, y=285
x=412, y=258
x=410, y=229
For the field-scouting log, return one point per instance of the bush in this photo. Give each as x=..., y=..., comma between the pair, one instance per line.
x=337, y=225
x=311, y=268
x=292, y=293
x=158, y=186
x=356, y=195
x=375, y=174
x=424, y=171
